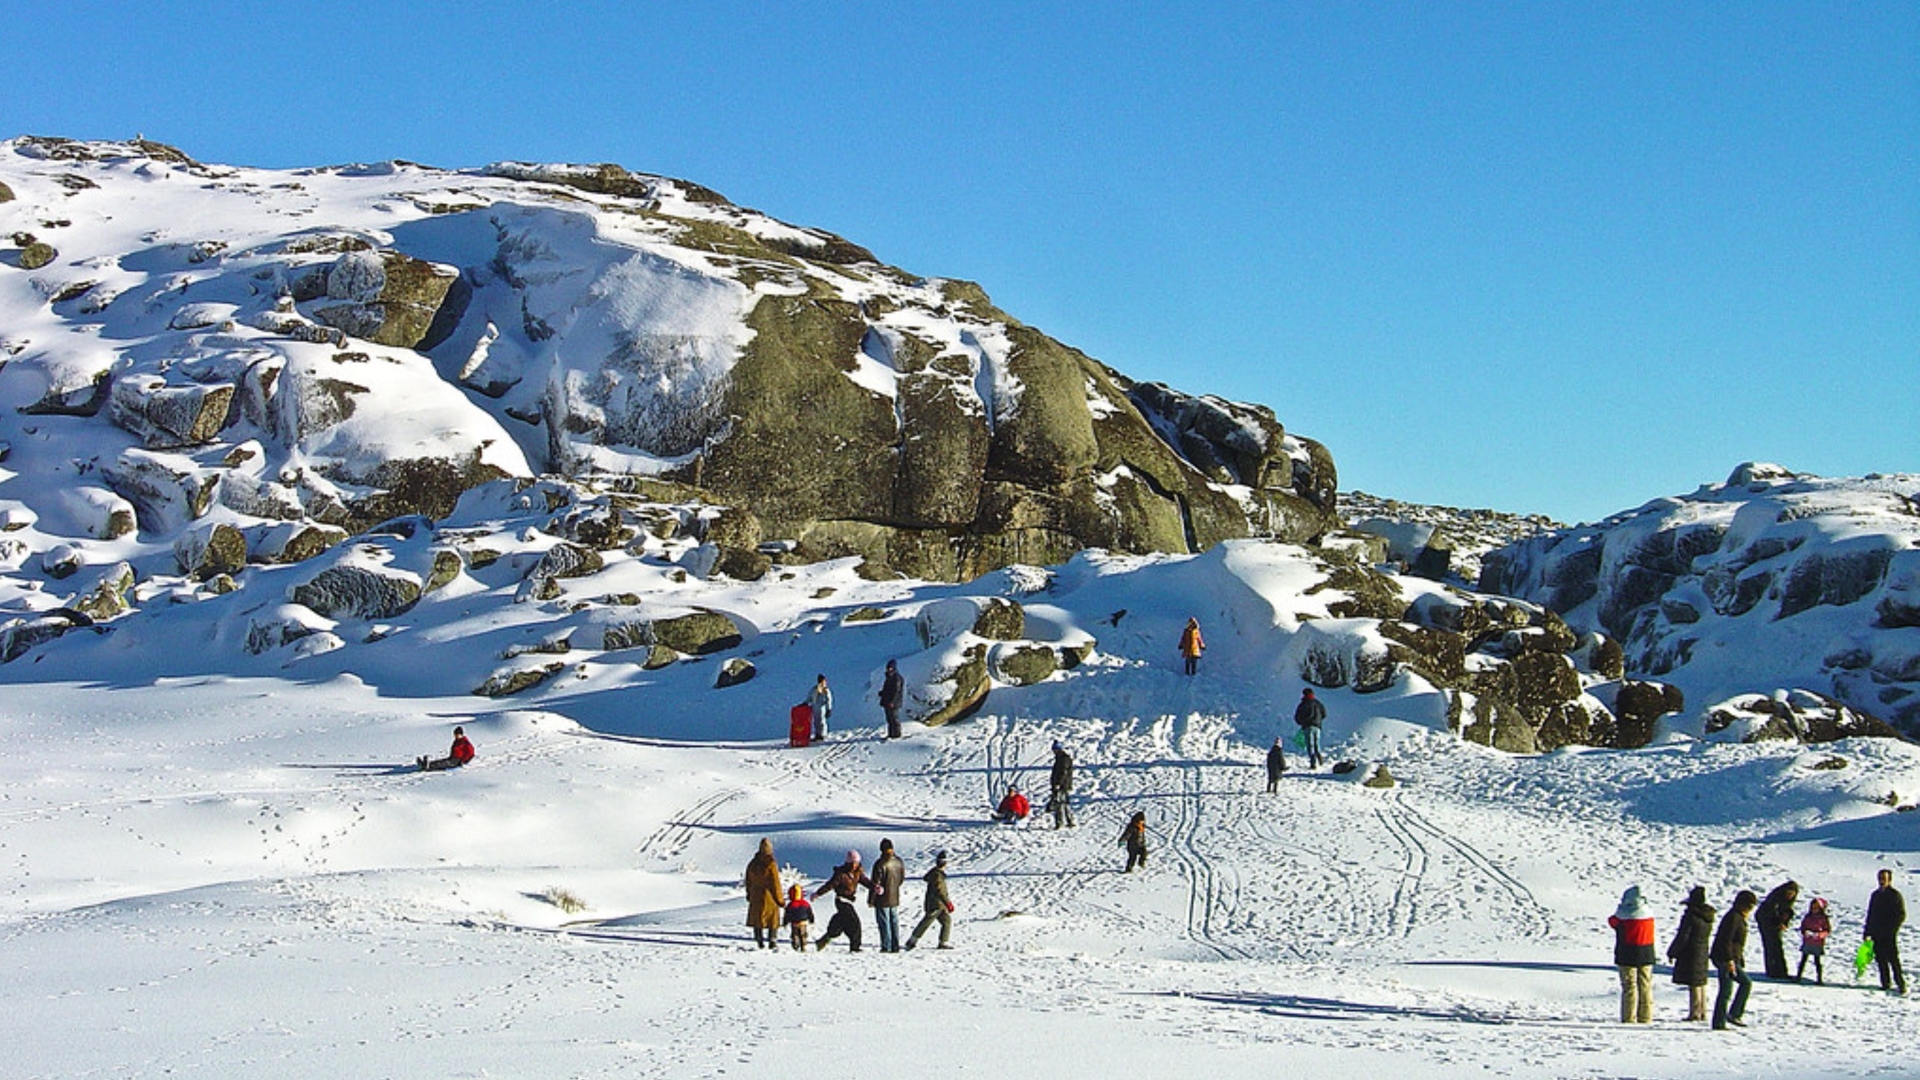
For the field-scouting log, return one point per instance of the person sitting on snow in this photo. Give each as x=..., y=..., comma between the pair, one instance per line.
x=460, y=754
x=1014, y=807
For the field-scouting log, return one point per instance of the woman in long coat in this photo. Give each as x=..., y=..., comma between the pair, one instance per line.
x=1689, y=951
x=764, y=897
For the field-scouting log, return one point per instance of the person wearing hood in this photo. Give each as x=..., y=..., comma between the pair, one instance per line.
x=939, y=906
x=1632, y=924
x=1814, y=930
x=1775, y=917
x=1689, y=951
x=763, y=896
x=845, y=887
x=1729, y=956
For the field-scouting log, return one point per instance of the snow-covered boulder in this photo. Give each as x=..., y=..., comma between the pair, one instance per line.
x=98, y=512
x=359, y=585
x=168, y=416
x=384, y=296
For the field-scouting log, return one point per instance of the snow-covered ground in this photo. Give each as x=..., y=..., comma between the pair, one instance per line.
x=219, y=875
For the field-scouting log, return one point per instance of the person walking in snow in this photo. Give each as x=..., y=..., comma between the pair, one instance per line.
x=1729, y=956
x=460, y=754
x=1276, y=765
x=1134, y=839
x=1060, y=787
x=1886, y=911
x=1814, y=930
x=845, y=885
x=1775, y=917
x=1632, y=924
x=893, y=690
x=820, y=700
x=1688, y=952
x=1309, y=715
x=889, y=874
x=763, y=896
x=1192, y=645
x=799, y=918
x=938, y=905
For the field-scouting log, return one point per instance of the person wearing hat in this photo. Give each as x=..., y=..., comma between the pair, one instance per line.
x=460, y=754
x=889, y=874
x=1689, y=951
x=1632, y=924
x=1310, y=714
x=893, y=690
x=844, y=884
x=1060, y=787
x=939, y=906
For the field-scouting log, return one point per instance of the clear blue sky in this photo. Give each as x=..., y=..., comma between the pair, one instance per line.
x=1554, y=257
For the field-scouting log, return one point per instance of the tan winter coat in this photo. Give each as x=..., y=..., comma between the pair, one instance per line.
x=765, y=897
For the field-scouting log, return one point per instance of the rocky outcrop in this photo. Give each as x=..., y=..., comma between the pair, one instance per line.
x=384, y=296
x=166, y=416
x=1792, y=715
x=359, y=589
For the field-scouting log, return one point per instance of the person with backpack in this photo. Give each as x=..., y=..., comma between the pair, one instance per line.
x=1060, y=787
x=1814, y=931
x=1276, y=765
x=938, y=905
x=845, y=885
x=1886, y=911
x=460, y=754
x=1192, y=645
x=763, y=896
x=1632, y=924
x=1688, y=952
x=1729, y=956
x=889, y=874
x=799, y=918
x=1309, y=715
x=820, y=700
x=1774, y=917
x=893, y=690
x=1134, y=839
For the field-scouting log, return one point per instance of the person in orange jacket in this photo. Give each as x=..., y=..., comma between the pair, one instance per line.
x=1192, y=645
x=460, y=754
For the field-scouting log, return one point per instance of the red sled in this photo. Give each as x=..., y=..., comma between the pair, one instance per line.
x=800, y=725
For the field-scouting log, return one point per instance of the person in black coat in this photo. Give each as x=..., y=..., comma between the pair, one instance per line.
x=1729, y=956
x=893, y=690
x=1276, y=765
x=1689, y=951
x=1309, y=715
x=1775, y=918
x=1060, y=787
x=1886, y=911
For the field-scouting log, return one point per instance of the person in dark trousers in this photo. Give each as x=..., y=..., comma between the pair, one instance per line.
x=1060, y=787
x=939, y=906
x=889, y=875
x=1276, y=765
x=1310, y=714
x=1632, y=924
x=893, y=689
x=1775, y=917
x=1814, y=931
x=1134, y=839
x=1192, y=645
x=460, y=754
x=820, y=700
x=845, y=885
x=1689, y=951
x=1886, y=912
x=1729, y=956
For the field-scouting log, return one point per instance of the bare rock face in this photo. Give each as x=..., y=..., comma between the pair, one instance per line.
x=359, y=590
x=384, y=297
x=205, y=551
x=165, y=416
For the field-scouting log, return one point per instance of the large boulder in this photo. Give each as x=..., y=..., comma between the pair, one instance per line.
x=165, y=416
x=359, y=588
x=384, y=297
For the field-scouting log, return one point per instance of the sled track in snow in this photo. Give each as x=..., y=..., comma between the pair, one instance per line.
x=1402, y=913
x=1539, y=922
x=1213, y=893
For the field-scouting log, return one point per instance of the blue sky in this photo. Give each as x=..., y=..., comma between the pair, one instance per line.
x=1552, y=257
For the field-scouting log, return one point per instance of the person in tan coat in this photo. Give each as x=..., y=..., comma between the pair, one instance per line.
x=764, y=896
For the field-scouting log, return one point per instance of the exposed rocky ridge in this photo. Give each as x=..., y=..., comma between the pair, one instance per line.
x=1444, y=543
x=1812, y=580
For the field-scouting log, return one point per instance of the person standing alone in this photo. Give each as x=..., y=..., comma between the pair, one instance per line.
x=1310, y=714
x=1886, y=911
x=1060, y=787
x=1192, y=645
x=893, y=689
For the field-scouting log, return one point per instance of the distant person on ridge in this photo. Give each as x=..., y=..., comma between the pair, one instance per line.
x=460, y=754
x=893, y=689
x=1134, y=839
x=1632, y=924
x=820, y=700
x=1729, y=956
x=1689, y=951
x=1775, y=916
x=1060, y=787
x=1276, y=765
x=1192, y=645
x=1886, y=911
x=763, y=896
x=938, y=905
x=1814, y=931
x=1310, y=714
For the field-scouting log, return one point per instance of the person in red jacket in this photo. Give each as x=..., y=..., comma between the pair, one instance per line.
x=1632, y=924
x=460, y=754
x=1015, y=807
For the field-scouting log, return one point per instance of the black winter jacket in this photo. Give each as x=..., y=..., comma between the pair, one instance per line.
x=1730, y=942
x=1689, y=949
x=1886, y=911
x=1310, y=713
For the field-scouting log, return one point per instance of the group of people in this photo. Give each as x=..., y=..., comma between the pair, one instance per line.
x=768, y=908
x=1698, y=947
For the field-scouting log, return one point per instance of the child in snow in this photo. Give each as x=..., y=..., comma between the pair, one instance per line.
x=799, y=918
x=1134, y=839
x=1014, y=807
x=460, y=754
x=1814, y=929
